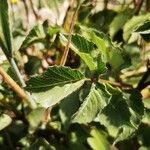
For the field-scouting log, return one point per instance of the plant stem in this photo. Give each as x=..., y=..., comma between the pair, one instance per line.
x=137, y=6
x=117, y=84
x=33, y=9
x=21, y=81
x=17, y=72
x=66, y=51
x=20, y=92
x=27, y=14
x=148, y=5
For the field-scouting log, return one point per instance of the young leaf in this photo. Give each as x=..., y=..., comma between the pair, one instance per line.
x=133, y=23
x=37, y=34
x=93, y=104
x=82, y=47
x=98, y=140
x=54, y=76
x=5, y=33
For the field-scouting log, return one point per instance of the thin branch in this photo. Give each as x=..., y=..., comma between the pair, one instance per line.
x=141, y=85
x=133, y=73
x=27, y=13
x=66, y=51
x=148, y=5
x=21, y=81
x=20, y=92
x=17, y=72
x=117, y=84
x=47, y=115
x=105, y=4
x=137, y=6
x=33, y=9
x=145, y=85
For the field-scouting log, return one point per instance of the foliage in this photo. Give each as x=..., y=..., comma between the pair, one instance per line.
x=100, y=99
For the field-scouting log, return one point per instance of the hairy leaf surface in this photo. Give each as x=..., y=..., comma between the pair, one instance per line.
x=54, y=76
x=81, y=46
x=93, y=104
x=37, y=34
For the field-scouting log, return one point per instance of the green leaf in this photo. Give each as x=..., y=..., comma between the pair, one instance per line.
x=55, y=95
x=53, y=76
x=53, y=30
x=5, y=120
x=119, y=21
x=93, y=104
x=110, y=52
x=98, y=140
x=144, y=28
x=37, y=34
x=133, y=23
x=5, y=33
x=68, y=107
x=99, y=39
x=42, y=144
x=122, y=115
x=82, y=47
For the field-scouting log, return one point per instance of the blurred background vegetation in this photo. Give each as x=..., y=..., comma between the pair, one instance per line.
x=127, y=22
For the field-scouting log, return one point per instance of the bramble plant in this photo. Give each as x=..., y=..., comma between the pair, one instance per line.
x=79, y=84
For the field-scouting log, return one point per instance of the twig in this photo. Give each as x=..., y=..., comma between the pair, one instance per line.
x=21, y=81
x=14, y=66
x=133, y=73
x=66, y=51
x=143, y=46
x=47, y=114
x=137, y=6
x=33, y=9
x=67, y=16
x=27, y=13
x=121, y=85
x=141, y=85
x=105, y=4
x=20, y=92
x=148, y=5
